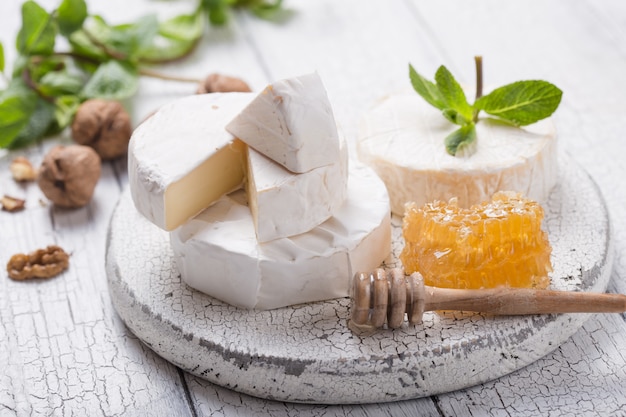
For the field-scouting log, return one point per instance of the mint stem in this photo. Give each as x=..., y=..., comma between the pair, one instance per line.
x=154, y=74
x=479, y=76
x=479, y=82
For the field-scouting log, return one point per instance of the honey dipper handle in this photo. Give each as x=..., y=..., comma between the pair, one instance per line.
x=518, y=301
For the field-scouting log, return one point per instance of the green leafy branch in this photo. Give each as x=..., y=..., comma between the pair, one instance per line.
x=520, y=103
x=105, y=61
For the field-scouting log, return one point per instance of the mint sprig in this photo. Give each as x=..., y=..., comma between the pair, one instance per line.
x=520, y=103
x=47, y=85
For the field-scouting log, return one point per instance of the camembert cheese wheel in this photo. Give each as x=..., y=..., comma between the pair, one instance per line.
x=402, y=138
x=217, y=251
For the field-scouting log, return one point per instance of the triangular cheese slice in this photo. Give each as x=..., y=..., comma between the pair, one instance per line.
x=292, y=123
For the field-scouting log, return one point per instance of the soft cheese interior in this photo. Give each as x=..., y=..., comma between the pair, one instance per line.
x=402, y=138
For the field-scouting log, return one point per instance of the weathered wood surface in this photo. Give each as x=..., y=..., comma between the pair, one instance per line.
x=64, y=351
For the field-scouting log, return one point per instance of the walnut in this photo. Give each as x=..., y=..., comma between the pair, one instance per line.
x=218, y=83
x=22, y=170
x=43, y=263
x=12, y=204
x=104, y=125
x=68, y=175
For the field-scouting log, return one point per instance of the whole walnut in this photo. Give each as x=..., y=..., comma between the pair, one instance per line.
x=218, y=83
x=68, y=175
x=104, y=125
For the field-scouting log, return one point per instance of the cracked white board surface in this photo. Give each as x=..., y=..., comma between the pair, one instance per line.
x=307, y=354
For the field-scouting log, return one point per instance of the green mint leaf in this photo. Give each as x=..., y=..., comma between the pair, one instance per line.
x=131, y=39
x=176, y=38
x=185, y=27
x=269, y=10
x=427, y=89
x=452, y=93
x=455, y=117
x=58, y=83
x=39, y=124
x=66, y=107
x=112, y=80
x=462, y=141
x=523, y=102
x=17, y=104
x=1, y=57
x=38, y=31
x=217, y=11
x=70, y=15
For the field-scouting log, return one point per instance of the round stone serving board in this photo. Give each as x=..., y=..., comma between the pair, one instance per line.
x=307, y=354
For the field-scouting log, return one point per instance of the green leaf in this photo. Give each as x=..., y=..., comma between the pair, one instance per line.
x=133, y=38
x=66, y=107
x=38, y=31
x=217, y=11
x=452, y=94
x=427, y=89
x=462, y=141
x=58, y=83
x=176, y=38
x=70, y=15
x=1, y=57
x=39, y=123
x=83, y=45
x=112, y=80
x=17, y=104
x=523, y=102
x=268, y=10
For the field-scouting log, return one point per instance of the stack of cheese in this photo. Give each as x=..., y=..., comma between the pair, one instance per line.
x=256, y=191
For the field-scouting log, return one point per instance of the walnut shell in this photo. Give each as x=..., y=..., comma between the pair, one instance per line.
x=68, y=175
x=104, y=125
x=218, y=83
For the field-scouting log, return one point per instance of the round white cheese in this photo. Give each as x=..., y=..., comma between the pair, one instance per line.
x=402, y=138
x=217, y=252
x=182, y=159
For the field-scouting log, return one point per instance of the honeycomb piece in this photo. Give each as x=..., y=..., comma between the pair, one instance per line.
x=495, y=243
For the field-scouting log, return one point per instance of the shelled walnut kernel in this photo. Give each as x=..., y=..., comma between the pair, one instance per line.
x=43, y=263
x=22, y=170
x=12, y=204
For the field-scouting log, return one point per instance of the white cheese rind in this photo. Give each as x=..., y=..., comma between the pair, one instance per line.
x=292, y=123
x=178, y=139
x=402, y=138
x=286, y=204
x=217, y=251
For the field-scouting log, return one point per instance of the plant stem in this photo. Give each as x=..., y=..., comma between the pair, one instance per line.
x=479, y=82
x=28, y=80
x=479, y=76
x=156, y=74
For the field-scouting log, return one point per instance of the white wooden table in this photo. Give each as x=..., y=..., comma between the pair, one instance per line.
x=63, y=349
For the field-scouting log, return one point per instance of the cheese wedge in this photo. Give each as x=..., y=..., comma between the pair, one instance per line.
x=402, y=138
x=181, y=160
x=217, y=251
x=285, y=204
x=292, y=123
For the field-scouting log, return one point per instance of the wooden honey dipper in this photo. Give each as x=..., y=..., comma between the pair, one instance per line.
x=381, y=296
